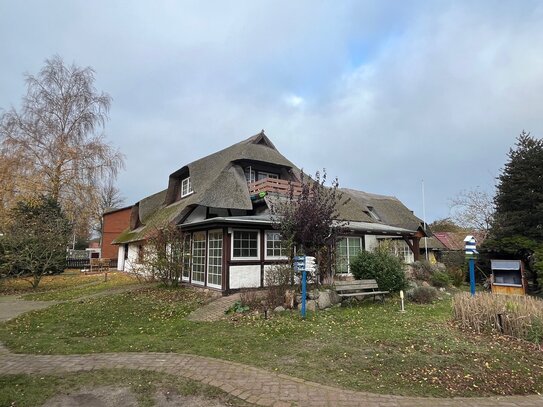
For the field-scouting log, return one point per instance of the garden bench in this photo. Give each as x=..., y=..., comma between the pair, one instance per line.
x=359, y=289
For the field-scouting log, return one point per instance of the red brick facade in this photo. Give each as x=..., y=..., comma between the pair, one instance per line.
x=113, y=224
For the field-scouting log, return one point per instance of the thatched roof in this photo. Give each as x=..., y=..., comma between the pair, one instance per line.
x=388, y=210
x=217, y=181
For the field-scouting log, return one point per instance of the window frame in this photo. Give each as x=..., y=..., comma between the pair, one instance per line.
x=348, y=257
x=266, y=256
x=209, y=265
x=258, y=257
x=189, y=187
x=194, y=247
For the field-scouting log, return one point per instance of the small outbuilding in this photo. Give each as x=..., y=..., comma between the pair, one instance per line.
x=508, y=277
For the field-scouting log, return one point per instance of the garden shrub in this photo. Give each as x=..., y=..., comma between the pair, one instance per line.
x=422, y=295
x=277, y=280
x=381, y=265
x=440, y=279
x=456, y=275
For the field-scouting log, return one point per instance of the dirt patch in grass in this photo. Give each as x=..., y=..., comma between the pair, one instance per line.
x=111, y=388
x=111, y=396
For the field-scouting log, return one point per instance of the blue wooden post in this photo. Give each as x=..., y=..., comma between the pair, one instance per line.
x=471, y=251
x=304, y=291
x=472, y=276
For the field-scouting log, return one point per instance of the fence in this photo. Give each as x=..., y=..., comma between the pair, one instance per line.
x=72, y=263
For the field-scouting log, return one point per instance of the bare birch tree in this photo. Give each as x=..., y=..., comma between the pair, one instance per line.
x=473, y=209
x=56, y=140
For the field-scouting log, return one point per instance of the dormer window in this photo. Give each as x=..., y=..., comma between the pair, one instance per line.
x=186, y=187
x=373, y=214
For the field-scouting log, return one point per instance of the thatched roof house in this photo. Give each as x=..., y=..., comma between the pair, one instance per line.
x=213, y=200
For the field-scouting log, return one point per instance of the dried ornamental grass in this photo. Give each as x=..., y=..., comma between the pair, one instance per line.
x=517, y=316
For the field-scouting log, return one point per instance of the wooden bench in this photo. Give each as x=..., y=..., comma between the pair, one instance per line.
x=359, y=289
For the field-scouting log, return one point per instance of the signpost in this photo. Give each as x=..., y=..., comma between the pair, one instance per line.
x=304, y=264
x=471, y=250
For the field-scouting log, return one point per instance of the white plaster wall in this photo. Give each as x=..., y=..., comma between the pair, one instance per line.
x=244, y=276
x=120, y=257
x=371, y=242
x=131, y=263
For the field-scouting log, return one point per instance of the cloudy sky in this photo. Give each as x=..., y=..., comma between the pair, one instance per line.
x=381, y=94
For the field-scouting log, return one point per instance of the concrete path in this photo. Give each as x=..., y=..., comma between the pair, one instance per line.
x=11, y=306
x=254, y=385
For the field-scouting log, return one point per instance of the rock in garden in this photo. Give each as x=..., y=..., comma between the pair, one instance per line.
x=278, y=309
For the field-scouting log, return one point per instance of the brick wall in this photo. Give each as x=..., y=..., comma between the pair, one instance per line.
x=113, y=224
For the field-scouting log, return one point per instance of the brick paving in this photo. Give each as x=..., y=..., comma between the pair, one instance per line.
x=213, y=311
x=252, y=384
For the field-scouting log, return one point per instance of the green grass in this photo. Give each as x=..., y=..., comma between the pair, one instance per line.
x=114, y=280
x=34, y=390
x=371, y=347
x=69, y=279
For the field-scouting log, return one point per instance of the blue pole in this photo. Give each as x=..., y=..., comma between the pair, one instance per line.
x=304, y=278
x=472, y=276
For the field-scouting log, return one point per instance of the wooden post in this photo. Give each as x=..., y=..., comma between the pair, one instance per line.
x=416, y=248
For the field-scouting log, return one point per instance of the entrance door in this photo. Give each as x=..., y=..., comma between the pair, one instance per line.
x=198, y=258
x=214, y=259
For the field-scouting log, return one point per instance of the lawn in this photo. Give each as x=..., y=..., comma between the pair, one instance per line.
x=34, y=390
x=371, y=347
x=66, y=286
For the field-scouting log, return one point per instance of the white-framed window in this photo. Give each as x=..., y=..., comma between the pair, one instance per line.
x=275, y=247
x=347, y=249
x=186, y=187
x=263, y=174
x=186, y=254
x=250, y=174
x=214, y=258
x=245, y=245
x=402, y=250
x=198, y=258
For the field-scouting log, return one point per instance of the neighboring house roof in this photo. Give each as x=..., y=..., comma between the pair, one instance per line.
x=432, y=243
x=451, y=240
x=455, y=240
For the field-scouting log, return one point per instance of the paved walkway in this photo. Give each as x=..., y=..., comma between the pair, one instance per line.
x=213, y=311
x=248, y=383
x=11, y=306
x=254, y=385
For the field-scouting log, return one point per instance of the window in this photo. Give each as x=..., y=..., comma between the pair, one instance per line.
x=275, y=247
x=373, y=214
x=262, y=175
x=198, y=257
x=245, y=245
x=347, y=249
x=186, y=187
x=186, y=257
x=214, y=259
x=400, y=249
x=250, y=174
